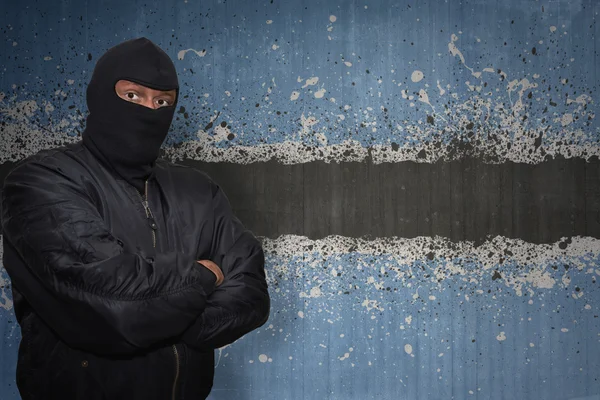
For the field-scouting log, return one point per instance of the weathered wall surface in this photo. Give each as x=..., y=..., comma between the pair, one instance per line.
x=424, y=176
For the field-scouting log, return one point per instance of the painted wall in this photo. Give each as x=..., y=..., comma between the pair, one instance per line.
x=424, y=175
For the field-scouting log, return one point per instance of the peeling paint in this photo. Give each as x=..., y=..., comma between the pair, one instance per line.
x=181, y=54
x=524, y=268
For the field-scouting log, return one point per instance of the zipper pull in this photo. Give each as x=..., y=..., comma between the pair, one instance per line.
x=152, y=223
x=149, y=216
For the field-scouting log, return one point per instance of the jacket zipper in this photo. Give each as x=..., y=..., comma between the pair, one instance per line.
x=153, y=228
x=148, y=212
x=176, y=370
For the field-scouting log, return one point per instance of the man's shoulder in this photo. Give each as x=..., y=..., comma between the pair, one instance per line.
x=184, y=173
x=55, y=154
x=55, y=159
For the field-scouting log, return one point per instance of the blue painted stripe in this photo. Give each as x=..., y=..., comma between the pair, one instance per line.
x=417, y=318
x=297, y=82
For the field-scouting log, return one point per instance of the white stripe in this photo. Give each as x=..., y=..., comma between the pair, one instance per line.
x=527, y=266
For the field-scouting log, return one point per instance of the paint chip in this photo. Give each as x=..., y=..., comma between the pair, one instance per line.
x=320, y=93
x=181, y=54
x=311, y=82
x=416, y=76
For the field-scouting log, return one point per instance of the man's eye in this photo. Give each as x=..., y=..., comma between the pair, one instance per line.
x=162, y=103
x=131, y=96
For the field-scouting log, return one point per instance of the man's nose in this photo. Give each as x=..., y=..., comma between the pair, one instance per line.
x=148, y=103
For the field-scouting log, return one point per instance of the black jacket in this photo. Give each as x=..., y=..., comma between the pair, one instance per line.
x=111, y=301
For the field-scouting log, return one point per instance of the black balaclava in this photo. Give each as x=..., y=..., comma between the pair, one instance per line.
x=123, y=135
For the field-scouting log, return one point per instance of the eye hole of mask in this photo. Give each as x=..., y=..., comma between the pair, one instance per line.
x=143, y=95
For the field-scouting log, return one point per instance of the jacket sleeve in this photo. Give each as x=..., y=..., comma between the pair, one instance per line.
x=79, y=279
x=241, y=303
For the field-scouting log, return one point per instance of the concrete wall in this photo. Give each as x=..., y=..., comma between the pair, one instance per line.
x=424, y=176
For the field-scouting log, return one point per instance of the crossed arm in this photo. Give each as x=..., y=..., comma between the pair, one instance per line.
x=97, y=297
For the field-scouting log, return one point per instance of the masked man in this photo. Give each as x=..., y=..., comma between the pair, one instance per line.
x=127, y=271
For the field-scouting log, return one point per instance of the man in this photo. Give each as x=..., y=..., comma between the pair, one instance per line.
x=128, y=271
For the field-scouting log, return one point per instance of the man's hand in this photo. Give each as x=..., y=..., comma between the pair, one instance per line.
x=215, y=270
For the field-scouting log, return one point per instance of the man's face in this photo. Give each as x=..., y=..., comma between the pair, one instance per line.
x=144, y=96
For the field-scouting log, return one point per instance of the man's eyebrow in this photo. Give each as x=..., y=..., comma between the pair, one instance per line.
x=126, y=86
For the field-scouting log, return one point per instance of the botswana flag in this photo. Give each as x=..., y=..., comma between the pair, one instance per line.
x=424, y=177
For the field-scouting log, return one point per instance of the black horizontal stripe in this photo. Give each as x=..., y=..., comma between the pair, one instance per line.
x=461, y=200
